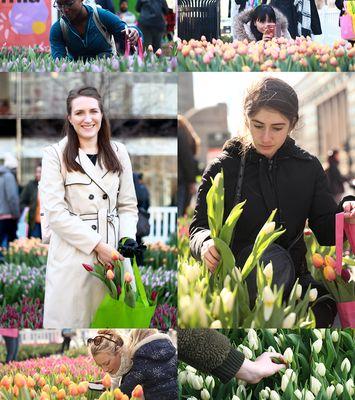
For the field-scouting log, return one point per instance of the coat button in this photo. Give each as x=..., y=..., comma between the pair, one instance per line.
x=93, y=227
x=91, y=197
x=104, y=196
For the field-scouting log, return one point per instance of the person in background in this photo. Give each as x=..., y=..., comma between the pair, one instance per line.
x=340, y=5
x=261, y=23
x=188, y=144
x=125, y=15
x=151, y=21
x=67, y=335
x=30, y=198
x=211, y=352
x=12, y=340
x=9, y=200
x=106, y=5
x=335, y=179
x=170, y=24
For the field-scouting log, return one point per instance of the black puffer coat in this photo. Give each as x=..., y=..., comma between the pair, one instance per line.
x=293, y=181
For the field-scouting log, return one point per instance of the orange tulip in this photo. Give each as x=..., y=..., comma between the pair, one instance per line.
x=46, y=388
x=110, y=275
x=63, y=368
x=125, y=397
x=137, y=392
x=20, y=380
x=82, y=387
x=6, y=382
x=44, y=396
x=73, y=389
x=66, y=381
x=118, y=394
x=317, y=260
x=33, y=393
x=30, y=382
x=114, y=256
x=16, y=391
x=128, y=277
x=329, y=261
x=329, y=273
x=106, y=381
x=61, y=394
x=41, y=381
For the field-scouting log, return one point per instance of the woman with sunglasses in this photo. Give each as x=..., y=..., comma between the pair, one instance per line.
x=266, y=167
x=88, y=200
x=146, y=358
x=85, y=32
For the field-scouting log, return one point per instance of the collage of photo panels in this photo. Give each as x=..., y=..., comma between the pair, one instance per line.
x=177, y=199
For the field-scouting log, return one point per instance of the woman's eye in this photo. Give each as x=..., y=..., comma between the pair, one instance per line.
x=277, y=129
x=258, y=126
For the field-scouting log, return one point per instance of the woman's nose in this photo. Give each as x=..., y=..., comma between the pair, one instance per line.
x=87, y=118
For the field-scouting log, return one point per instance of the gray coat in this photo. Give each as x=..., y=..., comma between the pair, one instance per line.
x=9, y=196
x=241, y=26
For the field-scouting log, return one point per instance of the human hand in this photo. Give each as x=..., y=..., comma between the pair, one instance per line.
x=105, y=253
x=262, y=367
x=132, y=35
x=349, y=211
x=210, y=255
x=267, y=37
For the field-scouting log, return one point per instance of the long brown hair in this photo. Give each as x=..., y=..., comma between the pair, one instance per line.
x=106, y=155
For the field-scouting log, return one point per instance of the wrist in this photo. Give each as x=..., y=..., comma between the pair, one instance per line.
x=98, y=246
x=248, y=372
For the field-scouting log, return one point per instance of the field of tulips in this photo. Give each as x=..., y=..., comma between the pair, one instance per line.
x=320, y=367
x=22, y=283
x=38, y=59
x=279, y=54
x=222, y=300
x=57, y=378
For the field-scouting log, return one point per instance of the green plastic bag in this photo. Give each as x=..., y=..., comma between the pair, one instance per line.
x=113, y=313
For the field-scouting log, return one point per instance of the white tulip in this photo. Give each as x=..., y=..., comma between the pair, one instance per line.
x=235, y=397
x=182, y=377
x=339, y=389
x=329, y=391
x=241, y=391
x=277, y=340
x=320, y=368
x=291, y=374
x=227, y=300
x=274, y=395
x=268, y=272
x=197, y=382
x=191, y=369
x=271, y=350
x=264, y=395
x=217, y=324
x=288, y=355
x=298, y=291
x=210, y=382
x=216, y=308
x=272, y=330
x=345, y=366
x=289, y=321
x=205, y=394
x=253, y=339
x=284, y=382
x=268, y=228
x=317, y=345
x=313, y=293
x=191, y=398
x=335, y=336
x=309, y=395
x=247, y=352
x=298, y=394
x=318, y=333
x=350, y=386
x=323, y=332
x=268, y=300
x=315, y=385
x=227, y=282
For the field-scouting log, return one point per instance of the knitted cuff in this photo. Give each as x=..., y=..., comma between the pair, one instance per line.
x=230, y=366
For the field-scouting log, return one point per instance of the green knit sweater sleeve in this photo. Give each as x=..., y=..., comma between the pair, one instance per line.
x=209, y=351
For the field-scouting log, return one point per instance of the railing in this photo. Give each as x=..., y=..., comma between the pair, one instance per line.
x=329, y=19
x=162, y=224
x=197, y=18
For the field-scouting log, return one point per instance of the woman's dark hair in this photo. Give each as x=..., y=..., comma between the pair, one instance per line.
x=106, y=155
x=261, y=13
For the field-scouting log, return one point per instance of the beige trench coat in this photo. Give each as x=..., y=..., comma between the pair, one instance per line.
x=82, y=209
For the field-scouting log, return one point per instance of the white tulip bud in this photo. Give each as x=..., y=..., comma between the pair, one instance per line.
x=235, y=397
x=216, y=308
x=284, y=382
x=191, y=398
x=349, y=385
x=318, y=333
x=274, y=395
x=205, y=394
x=345, y=366
x=253, y=339
x=313, y=293
x=298, y=291
x=317, y=345
x=227, y=300
x=247, y=352
x=210, y=383
x=264, y=395
x=330, y=390
x=288, y=355
x=272, y=330
x=335, y=336
x=227, y=282
x=323, y=332
x=315, y=385
x=289, y=321
x=268, y=228
x=320, y=368
x=291, y=374
x=197, y=382
x=309, y=395
x=298, y=394
x=268, y=272
x=277, y=340
x=182, y=377
x=191, y=369
x=271, y=350
x=268, y=300
x=339, y=389
x=217, y=324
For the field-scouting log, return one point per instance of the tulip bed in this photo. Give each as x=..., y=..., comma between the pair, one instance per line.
x=320, y=367
x=38, y=59
x=279, y=54
x=22, y=283
x=57, y=378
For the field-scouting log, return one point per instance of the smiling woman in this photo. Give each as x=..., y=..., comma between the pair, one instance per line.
x=88, y=200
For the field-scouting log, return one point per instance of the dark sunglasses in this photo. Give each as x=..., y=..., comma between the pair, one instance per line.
x=97, y=340
x=61, y=6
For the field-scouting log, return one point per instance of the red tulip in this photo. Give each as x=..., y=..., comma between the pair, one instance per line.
x=154, y=295
x=345, y=274
x=88, y=267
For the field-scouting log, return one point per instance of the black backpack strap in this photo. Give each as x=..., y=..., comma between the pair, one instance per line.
x=238, y=193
